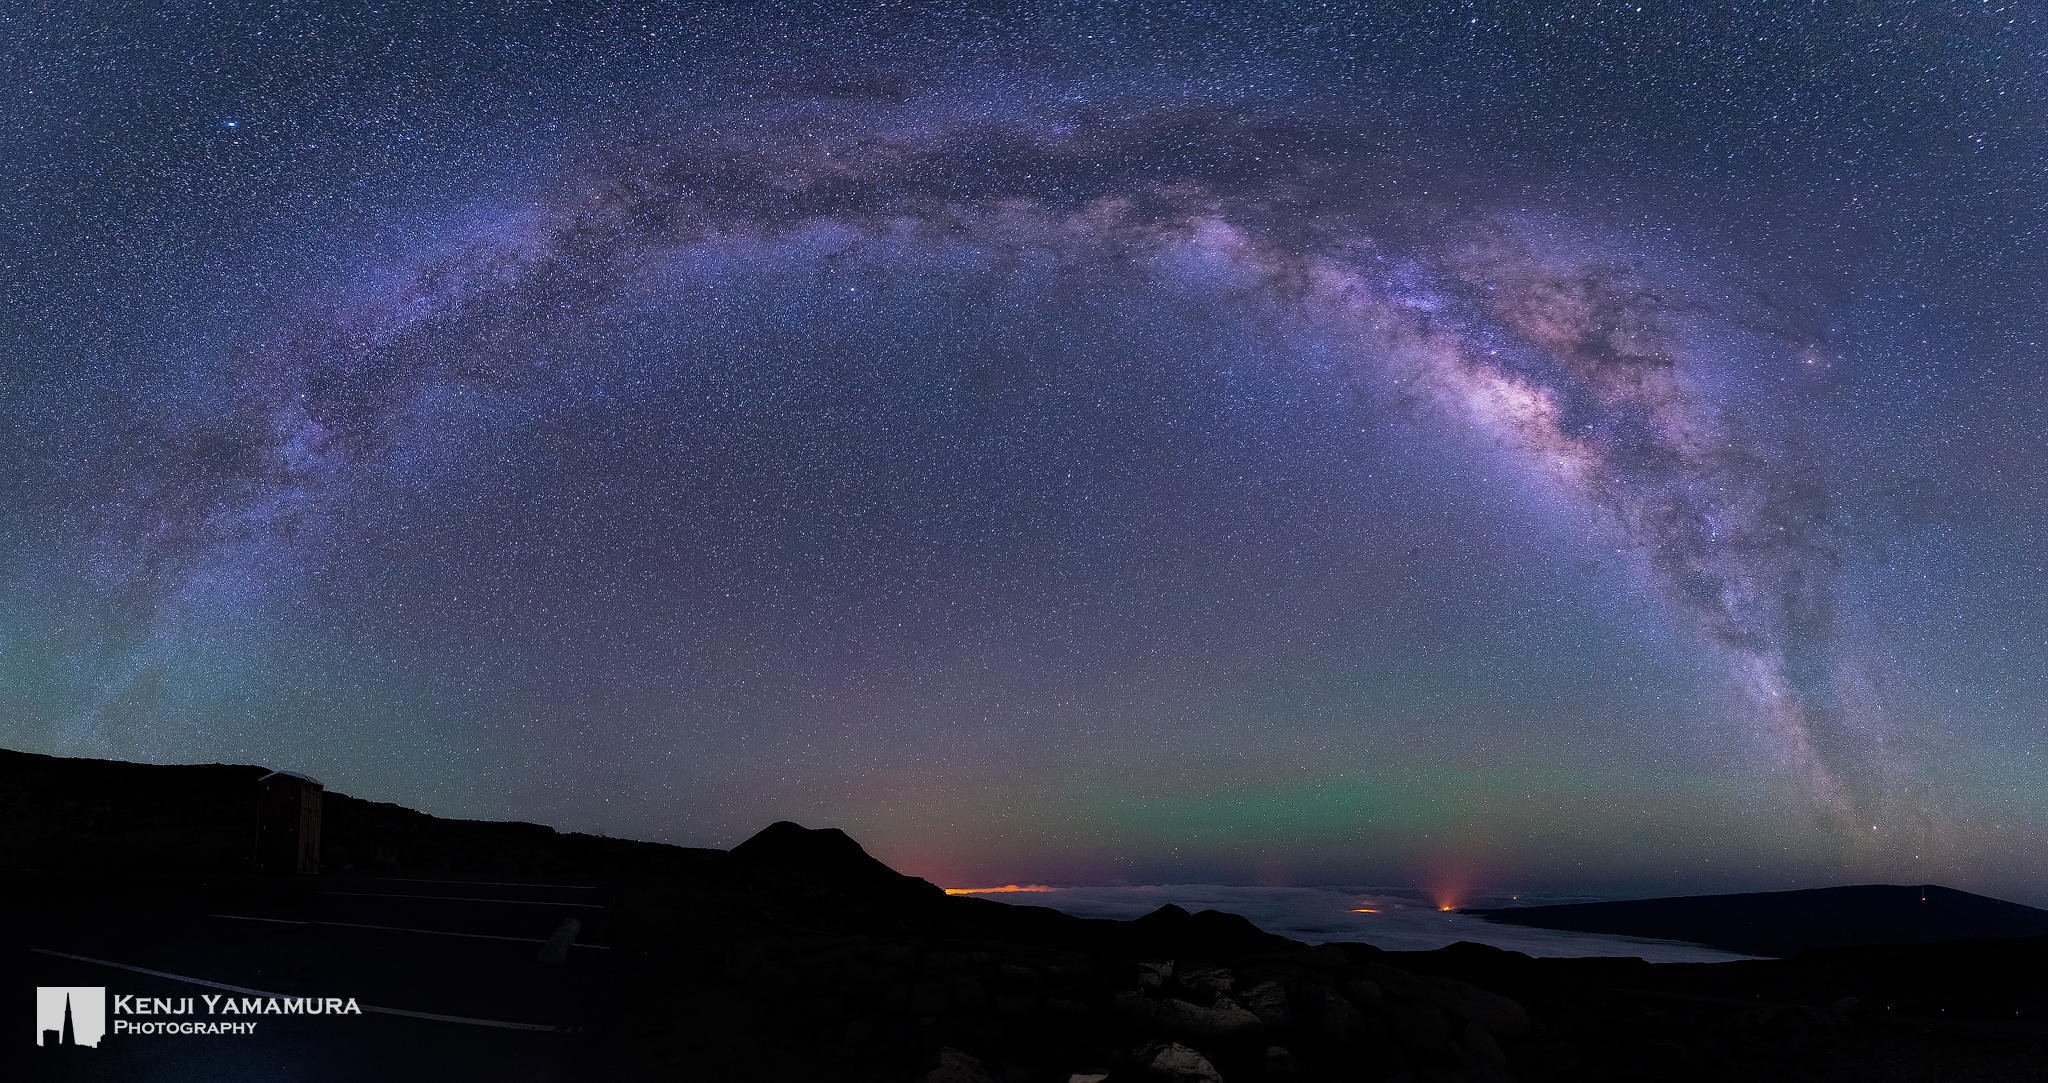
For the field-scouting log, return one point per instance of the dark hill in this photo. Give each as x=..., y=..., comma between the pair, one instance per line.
x=1786, y=923
x=822, y=851
x=110, y=819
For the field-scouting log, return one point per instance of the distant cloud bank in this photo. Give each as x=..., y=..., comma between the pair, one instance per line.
x=1394, y=919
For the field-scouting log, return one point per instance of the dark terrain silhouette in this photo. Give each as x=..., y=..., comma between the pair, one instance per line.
x=512, y=951
x=1789, y=922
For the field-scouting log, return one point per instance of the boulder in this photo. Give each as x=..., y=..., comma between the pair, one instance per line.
x=1221, y=1021
x=1172, y=1062
x=930, y=997
x=1419, y=1024
x=1268, y=1001
x=1281, y=1063
x=1496, y=1013
x=1479, y=1045
x=1328, y=1012
x=957, y=1067
x=1366, y=994
x=1214, y=981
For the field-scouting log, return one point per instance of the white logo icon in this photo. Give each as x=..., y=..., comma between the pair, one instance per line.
x=71, y=1014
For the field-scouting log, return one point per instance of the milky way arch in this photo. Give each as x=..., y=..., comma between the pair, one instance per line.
x=1580, y=364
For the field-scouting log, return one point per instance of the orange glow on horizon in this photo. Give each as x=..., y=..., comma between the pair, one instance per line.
x=1363, y=910
x=1006, y=889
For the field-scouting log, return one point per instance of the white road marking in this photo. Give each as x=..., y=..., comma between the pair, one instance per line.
x=462, y=898
x=223, y=986
x=402, y=929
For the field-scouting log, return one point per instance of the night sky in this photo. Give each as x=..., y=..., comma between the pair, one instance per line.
x=1590, y=446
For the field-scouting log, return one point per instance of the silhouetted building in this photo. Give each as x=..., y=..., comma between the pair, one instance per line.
x=288, y=823
x=64, y=1038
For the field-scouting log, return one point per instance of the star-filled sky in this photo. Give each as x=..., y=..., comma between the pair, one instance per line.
x=1592, y=446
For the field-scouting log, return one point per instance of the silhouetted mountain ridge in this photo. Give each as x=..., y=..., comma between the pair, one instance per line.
x=1789, y=922
x=820, y=849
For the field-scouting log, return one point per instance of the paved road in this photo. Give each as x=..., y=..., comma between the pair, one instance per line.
x=448, y=974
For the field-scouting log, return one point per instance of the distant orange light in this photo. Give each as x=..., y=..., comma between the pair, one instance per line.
x=1006, y=889
x=1445, y=909
x=1364, y=910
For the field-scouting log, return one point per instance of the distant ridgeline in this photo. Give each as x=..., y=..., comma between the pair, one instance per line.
x=1789, y=922
x=106, y=818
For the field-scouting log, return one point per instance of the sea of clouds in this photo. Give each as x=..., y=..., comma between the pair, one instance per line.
x=1402, y=920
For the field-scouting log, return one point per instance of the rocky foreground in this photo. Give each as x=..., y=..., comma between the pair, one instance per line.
x=797, y=956
x=836, y=967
